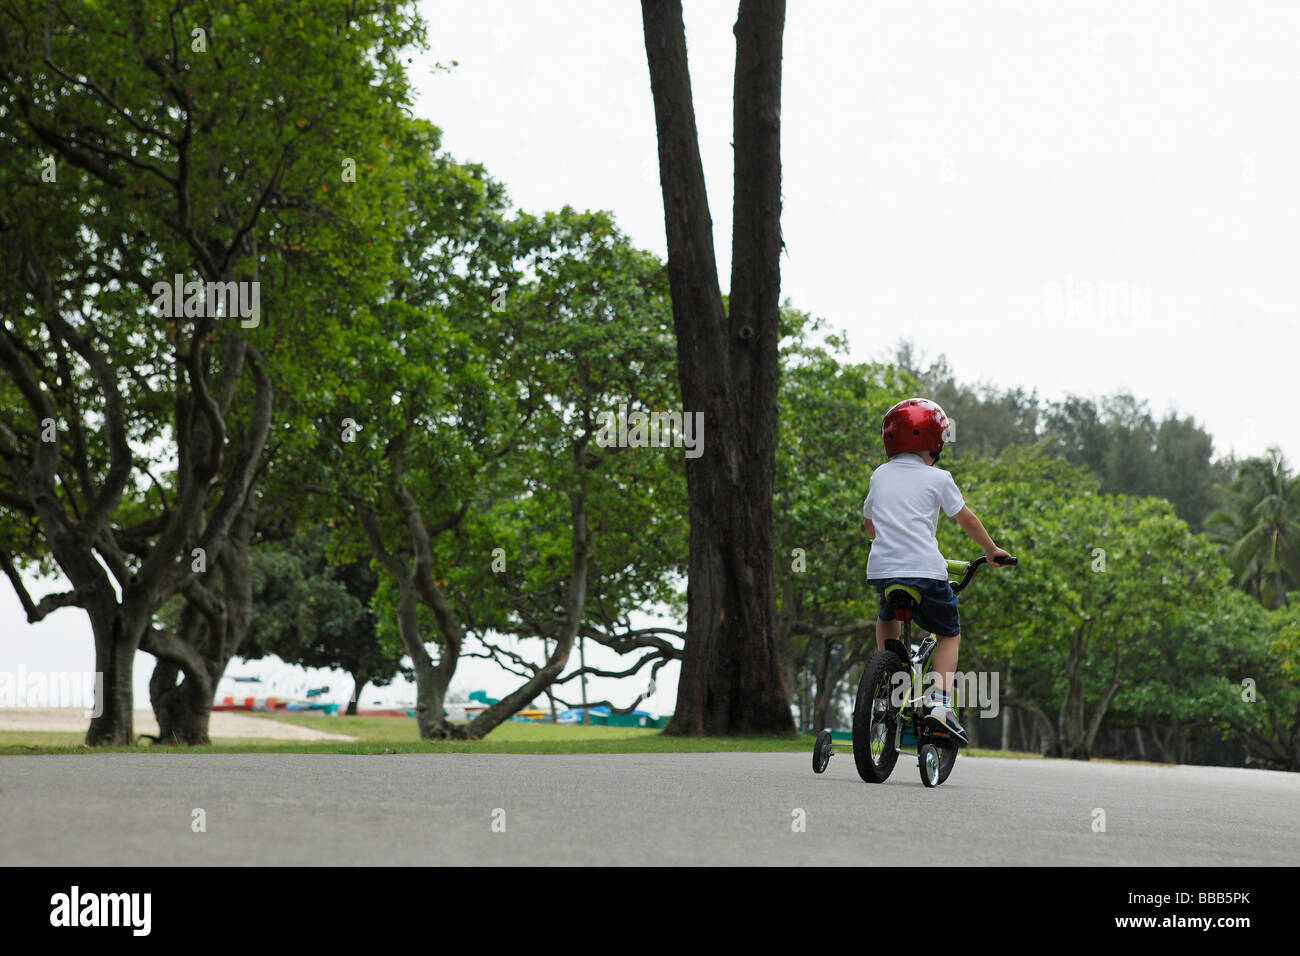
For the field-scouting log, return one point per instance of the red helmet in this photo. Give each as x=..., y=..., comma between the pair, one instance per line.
x=917, y=425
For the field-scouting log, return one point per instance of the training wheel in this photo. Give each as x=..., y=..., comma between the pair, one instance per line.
x=822, y=752
x=928, y=760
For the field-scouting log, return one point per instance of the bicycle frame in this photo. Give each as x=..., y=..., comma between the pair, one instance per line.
x=917, y=668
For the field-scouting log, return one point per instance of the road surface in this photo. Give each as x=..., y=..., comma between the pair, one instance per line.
x=727, y=808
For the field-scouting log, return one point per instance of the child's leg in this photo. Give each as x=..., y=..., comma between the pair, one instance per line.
x=944, y=664
x=938, y=690
x=884, y=631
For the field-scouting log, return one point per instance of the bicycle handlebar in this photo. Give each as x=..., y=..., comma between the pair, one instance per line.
x=973, y=566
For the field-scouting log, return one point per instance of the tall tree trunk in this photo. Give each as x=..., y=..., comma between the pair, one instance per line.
x=184, y=681
x=412, y=569
x=212, y=626
x=116, y=641
x=431, y=681
x=732, y=677
x=182, y=706
x=1072, y=735
x=1042, y=737
x=359, y=681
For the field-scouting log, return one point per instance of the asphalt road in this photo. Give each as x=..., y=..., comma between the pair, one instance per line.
x=734, y=808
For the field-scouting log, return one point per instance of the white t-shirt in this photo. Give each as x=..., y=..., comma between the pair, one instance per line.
x=903, y=504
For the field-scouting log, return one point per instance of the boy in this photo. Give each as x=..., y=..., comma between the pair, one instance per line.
x=901, y=515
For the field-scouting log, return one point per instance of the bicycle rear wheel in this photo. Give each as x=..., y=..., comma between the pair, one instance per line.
x=874, y=748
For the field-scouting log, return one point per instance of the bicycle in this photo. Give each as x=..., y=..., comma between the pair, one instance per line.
x=879, y=722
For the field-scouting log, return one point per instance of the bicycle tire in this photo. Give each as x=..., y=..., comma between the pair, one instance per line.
x=947, y=760
x=875, y=768
x=923, y=755
x=822, y=752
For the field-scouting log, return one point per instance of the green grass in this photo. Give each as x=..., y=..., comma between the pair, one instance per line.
x=405, y=730
x=385, y=735
x=1010, y=754
x=388, y=735
x=11, y=739
x=656, y=743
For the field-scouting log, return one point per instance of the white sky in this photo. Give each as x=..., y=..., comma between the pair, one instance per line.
x=1072, y=197
x=1068, y=197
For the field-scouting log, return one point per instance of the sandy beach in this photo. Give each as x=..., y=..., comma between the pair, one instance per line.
x=224, y=724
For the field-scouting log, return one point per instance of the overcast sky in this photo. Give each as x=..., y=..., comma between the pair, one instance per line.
x=1074, y=197
x=1070, y=197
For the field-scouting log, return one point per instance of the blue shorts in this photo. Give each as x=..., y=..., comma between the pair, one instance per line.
x=937, y=614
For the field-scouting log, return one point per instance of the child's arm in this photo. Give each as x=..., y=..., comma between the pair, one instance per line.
x=871, y=528
x=967, y=521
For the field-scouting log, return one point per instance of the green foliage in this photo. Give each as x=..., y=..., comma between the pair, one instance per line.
x=215, y=160
x=586, y=327
x=1118, y=439
x=314, y=613
x=829, y=442
x=1257, y=524
x=1259, y=688
x=1111, y=591
x=988, y=419
x=478, y=385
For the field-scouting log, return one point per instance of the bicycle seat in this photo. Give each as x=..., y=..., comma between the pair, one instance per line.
x=903, y=597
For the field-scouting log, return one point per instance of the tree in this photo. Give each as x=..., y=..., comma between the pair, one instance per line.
x=1258, y=525
x=1118, y=441
x=988, y=419
x=219, y=165
x=479, y=481
x=732, y=679
x=590, y=345
x=1265, y=693
x=1185, y=469
x=311, y=612
x=1105, y=594
x=1191, y=683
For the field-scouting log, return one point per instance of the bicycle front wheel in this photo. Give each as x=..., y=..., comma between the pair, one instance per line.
x=947, y=757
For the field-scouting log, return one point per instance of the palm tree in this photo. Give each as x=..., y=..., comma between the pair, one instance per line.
x=1257, y=524
x=1228, y=525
